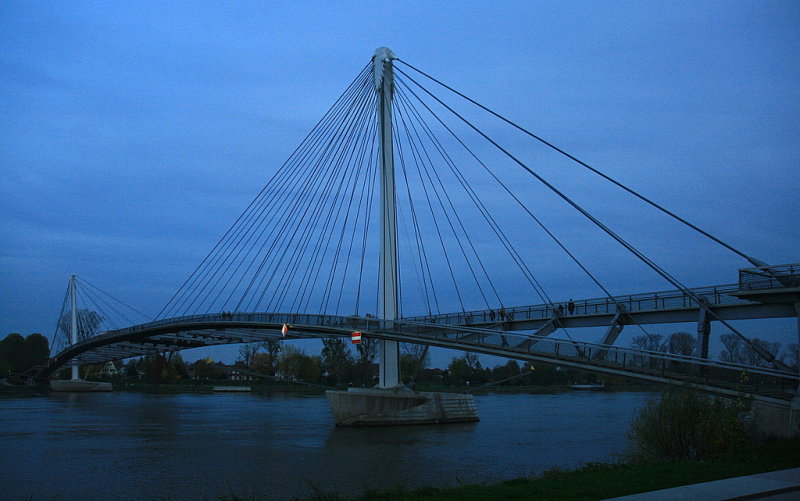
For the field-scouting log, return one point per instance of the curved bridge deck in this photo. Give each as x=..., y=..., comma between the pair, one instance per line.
x=228, y=328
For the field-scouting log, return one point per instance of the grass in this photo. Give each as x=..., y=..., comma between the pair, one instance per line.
x=601, y=481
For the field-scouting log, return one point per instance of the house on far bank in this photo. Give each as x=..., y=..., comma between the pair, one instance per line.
x=108, y=370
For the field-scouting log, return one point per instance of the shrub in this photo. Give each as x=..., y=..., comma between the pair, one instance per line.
x=686, y=425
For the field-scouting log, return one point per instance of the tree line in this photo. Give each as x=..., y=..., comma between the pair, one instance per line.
x=19, y=354
x=735, y=349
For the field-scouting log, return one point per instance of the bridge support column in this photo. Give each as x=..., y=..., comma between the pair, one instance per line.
x=383, y=73
x=703, y=333
x=613, y=332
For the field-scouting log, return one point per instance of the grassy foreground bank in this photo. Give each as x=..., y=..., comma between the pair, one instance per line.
x=600, y=481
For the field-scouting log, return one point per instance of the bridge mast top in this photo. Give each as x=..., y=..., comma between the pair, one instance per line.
x=382, y=67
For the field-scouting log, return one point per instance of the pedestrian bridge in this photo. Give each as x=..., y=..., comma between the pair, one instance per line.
x=194, y=331
x=324, y=235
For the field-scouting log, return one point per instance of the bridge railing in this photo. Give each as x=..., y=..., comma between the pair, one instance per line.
x=734, y=376
x=664, y=300
x=770, y=277
x=667, y=365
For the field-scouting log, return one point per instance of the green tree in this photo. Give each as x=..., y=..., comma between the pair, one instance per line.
x=509, y=370
x=273, y=348
x=37, y=350
x=295, y=364
x=12, y=349
x=686, y=425
x=130, y=368
x=205, y=368
x=336, y=358
x=459, y=371
x=365, y=364
x=263, y=363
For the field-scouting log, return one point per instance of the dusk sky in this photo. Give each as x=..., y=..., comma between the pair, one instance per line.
x=132, y=134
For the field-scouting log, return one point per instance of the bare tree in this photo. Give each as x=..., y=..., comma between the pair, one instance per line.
x=737, y=351
x=472, y=360
x=681, y=343
x=273, y=347
x=417, y=352
x=247, y=352
x=650, y=342
x=367, y=350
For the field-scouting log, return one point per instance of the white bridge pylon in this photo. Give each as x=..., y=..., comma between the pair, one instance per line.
x=389, y=351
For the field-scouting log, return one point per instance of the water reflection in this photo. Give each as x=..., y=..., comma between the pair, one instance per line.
x=141, y=446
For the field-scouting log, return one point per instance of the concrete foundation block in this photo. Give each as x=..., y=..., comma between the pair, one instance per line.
x=399, y=406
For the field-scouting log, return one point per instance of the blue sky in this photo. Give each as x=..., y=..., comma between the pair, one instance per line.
x=133, y=134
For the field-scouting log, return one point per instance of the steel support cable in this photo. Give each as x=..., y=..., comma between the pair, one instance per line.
x=672, y=280
x=62, y=339
x=441, y=239
x=331, y=166
x=297, y=209
x=374, y=161
x=427, y=167
x=278, y=173
x=404, y=170
x=414, y=250
x=754, y=261
x=366, y=160
x=458, y=218
x=338, y=165
x=106, y=310
x=484, y=212
x=413, y=253
x=328, y=169
x=307, y=187
x=301, y=160
x=421, y=254
x=104, y=293
x=360, y=149
x=261, y=225
x=348, y=156
x=248, y=229
x=245, y=227
x=341, y=156
x=476, y=199
x=526, y=209
x=331, y=216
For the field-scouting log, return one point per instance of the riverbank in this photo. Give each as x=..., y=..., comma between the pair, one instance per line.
x=599, y=481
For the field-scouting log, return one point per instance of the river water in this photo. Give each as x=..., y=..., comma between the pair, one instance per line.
x=197, y=446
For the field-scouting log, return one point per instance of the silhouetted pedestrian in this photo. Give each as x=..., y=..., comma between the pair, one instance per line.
x=571, y=306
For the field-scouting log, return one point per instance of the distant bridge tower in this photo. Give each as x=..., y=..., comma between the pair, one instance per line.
x=388, y=290
x=73, y=329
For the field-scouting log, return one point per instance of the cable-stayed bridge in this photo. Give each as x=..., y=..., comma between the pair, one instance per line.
x=399, y=203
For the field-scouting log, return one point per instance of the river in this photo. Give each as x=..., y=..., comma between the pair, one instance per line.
x=126, y=445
